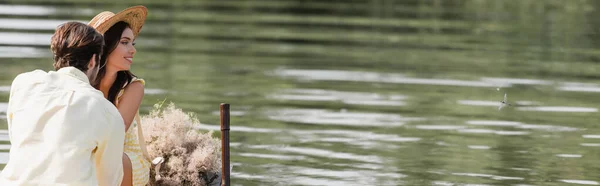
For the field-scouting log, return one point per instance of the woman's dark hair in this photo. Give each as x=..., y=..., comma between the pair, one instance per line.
x=73, y=45
x=111, y=39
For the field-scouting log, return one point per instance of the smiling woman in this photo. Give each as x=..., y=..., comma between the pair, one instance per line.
x=121, y=87
x=118, y=59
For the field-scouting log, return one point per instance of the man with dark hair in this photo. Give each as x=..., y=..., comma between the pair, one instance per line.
x=62, y=130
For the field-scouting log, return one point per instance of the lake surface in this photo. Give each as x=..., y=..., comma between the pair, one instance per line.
x=357, y=92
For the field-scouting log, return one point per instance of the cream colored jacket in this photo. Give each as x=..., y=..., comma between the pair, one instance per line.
x=62, y=132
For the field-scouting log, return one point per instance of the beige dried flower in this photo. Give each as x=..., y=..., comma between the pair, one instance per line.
x=190, y=156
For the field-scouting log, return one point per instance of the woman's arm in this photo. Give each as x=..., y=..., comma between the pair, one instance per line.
x=130, y=101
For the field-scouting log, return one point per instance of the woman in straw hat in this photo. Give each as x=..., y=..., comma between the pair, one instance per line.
x=121, y=87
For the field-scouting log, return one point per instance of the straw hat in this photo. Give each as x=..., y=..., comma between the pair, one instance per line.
x=134, y=16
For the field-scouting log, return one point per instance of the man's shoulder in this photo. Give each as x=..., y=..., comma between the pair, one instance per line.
x=96, y=98
x=103, y=111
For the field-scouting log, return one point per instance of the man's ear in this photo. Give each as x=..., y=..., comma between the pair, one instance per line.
x=92, y=62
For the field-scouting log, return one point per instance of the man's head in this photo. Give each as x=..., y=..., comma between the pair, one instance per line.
x=78, y=45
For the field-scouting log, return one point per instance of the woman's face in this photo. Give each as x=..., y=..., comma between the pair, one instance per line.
x=122, y=57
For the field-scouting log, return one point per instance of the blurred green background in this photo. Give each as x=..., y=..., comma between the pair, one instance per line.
x=362, y=92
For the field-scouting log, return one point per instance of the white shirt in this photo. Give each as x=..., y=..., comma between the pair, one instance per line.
x=62, y=132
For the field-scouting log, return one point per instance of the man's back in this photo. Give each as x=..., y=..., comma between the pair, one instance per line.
x=62, y=131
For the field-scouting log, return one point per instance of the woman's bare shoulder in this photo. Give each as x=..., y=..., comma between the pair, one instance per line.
x=135, y=87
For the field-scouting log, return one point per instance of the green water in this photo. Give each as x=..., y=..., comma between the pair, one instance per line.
x=357, y=92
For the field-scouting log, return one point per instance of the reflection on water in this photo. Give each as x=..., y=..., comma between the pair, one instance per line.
x=590, y=144
x=489, y=131
x=359, y=135
x=350, y=177
x=26, y=10
x=362, y=92
x=4, y=146
x=32, y=10
x=21, y=52
x=529, y=108
x=15, y=38
x=32, y=24
x=480, y=147
x=569, y=155
x=580, y=87
x=3, y=107
x=582, y=182
x=547, y=127
x=496, y=123
x=3, y=157
x=382, y=78
x=597, y=136
x=272, y=156
x=352, y=98
x=559, y=109
x=439, y=127
x=154, y=91
x=493, y=123
x=322, y=153
x=479, y=103
x=4, y=137
x=325, y=117
x=445, y=183
x=488, y=176
x=503, y=82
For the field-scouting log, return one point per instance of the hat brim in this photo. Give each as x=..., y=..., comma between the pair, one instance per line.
x=134, y=16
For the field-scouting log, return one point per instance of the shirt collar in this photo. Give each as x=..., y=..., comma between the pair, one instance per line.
x=74, y=72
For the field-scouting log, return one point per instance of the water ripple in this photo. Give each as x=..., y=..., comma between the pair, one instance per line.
x=354, y=98
x=272, y=156
x=547, y=127
x=520, y=125
x=558, y=109
x=4, y=157
x=360, y=135
x=321, y=153
x=493, y=123
x=317, y=176
x=21, y=52
x=26, y=10
x=32, y=10
x=4, y=88
x=579, y=87
x=479, y=147
x=154, y=91
x=569, y=155
x=325, y=117
x=592, y=136
x=590, y=144
x=511, y=81
x=356, y=76
x=3, y=107
x=582, y=182
x=32, y=24
x=529, y=108
x=439, y=127
x=20, y=38
x=488, y=176
x=478, y=103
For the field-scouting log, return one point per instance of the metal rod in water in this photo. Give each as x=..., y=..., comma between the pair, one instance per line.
x=225, y=171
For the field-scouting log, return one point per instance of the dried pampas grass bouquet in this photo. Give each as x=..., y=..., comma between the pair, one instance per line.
x=184, y=155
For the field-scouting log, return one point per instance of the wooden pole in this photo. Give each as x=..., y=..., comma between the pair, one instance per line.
x=225, y=144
